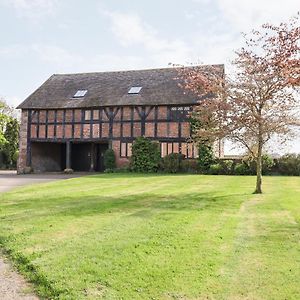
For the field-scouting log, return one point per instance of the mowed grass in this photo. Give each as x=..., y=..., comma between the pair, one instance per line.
x=126, y=236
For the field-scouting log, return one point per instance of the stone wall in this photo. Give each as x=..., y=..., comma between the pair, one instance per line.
x=22, y=160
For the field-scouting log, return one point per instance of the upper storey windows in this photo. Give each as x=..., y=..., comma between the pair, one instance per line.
x=179, y=112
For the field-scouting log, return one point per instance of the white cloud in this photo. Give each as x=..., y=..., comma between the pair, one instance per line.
x=66, y=61
x=205, y=2
x=61, y=60
x=131, y=30
x=14, y=101
x=32, y=9
x=55, y=54
x=12, y=51
x=249, y=14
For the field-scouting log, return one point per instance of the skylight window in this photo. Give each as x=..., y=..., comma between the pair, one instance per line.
x=134, y=90
x=80, y=94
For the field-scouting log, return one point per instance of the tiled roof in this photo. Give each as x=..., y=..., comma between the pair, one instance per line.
x=159, y=87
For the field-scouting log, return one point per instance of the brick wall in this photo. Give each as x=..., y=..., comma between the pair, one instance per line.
x=86, y=124
x=120, y=161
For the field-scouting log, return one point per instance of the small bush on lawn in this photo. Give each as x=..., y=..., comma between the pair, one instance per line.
x=171, y=163
x=289, y=164
x=145, y=155
x=189, y=165
x=215, y=169
x=109, y=159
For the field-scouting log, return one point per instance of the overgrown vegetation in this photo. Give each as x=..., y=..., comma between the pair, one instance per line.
x=137, y=236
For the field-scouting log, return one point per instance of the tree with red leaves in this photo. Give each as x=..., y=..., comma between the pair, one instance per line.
x=260, y=100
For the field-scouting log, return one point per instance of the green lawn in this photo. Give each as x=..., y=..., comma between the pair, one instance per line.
x=124, y=236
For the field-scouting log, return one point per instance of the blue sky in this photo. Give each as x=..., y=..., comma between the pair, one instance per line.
x=43, y=37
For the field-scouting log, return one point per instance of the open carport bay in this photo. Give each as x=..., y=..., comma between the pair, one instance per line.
x=52, y=156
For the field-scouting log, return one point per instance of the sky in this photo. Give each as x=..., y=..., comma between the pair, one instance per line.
x=44, y=37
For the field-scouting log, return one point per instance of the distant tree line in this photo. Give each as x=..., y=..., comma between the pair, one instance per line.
x=9, y=136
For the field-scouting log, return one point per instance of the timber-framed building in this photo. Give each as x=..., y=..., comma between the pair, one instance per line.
x=71, y=120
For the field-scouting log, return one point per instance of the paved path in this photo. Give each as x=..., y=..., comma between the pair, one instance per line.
x=10, y=179
x=12, y=285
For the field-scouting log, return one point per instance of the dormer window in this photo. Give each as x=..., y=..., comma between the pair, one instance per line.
x=135, y=90
x=80, y=94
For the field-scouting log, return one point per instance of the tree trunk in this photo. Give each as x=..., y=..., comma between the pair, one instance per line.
x=258, y=189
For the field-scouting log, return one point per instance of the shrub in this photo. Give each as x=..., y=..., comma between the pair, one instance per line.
x=15, y=158
x=227, y=166
x=267, y=164
x=145, y=155
x=241, y=169
x=171, y=163
x=215, y=169
x=206, y=157
x=289, y=164
x=189, y=165
x=109, y=159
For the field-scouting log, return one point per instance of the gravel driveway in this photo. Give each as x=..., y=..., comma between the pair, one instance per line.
x=12, y=285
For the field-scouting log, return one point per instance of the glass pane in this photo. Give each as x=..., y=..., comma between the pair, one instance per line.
x=80, y=93
x=135, y=90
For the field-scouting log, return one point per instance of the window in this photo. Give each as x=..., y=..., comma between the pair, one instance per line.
x=179, y=112
x=95, y=114
x=34, y=116
x=87, y=115
x=134, y=90
x=164, y=149
x=126, y=150
x=168, y=148
x=80, y=94
x=189, y=150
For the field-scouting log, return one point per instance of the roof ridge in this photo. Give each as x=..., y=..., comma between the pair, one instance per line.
x=133, y=70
